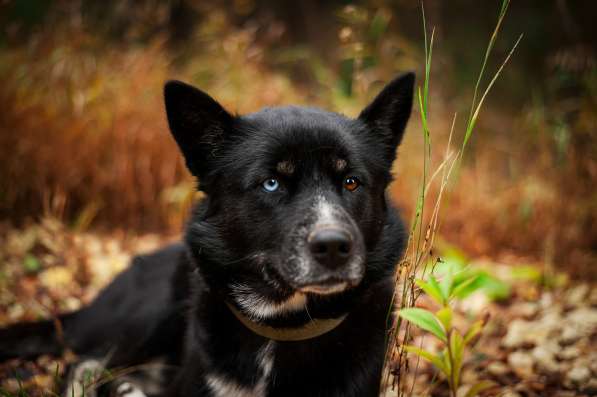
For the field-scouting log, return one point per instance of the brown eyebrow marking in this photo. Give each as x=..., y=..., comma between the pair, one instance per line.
x=285, y=167
x=340, y=164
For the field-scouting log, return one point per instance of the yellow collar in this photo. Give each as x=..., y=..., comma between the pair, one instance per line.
x=312, y=329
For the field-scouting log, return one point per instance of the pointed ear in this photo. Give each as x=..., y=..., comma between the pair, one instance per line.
x=197, y=122
x=388, y=114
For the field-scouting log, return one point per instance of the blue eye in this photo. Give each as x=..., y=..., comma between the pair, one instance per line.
x=270, y=185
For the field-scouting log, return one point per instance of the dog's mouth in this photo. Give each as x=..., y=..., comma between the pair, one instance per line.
x=325, y=289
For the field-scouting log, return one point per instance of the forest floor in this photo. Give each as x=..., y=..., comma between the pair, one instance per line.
x=539, y=341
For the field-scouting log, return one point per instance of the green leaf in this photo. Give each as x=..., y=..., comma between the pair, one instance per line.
x=466, y=287
x=446, y=284
x=433, y=359
x=31, y=264
x=447, y=364
x=472, y=280
x=464, y=274
x=473, y=331
x=432, y=289
x=425, y=320
x=443, y=266
x=445, y=317
x=526, y=273
x=433, y=281
x=493, y=287
x=455, y=256
x=457, y=350
x=479, y=387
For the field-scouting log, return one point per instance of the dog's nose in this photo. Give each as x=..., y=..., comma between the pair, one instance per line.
x=330, y=246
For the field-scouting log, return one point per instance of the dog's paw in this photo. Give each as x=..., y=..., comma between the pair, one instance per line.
x=82, y=377
x=127, y=389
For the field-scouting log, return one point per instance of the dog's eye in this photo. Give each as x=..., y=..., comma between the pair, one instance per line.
x=351, y=183
x=270, y=185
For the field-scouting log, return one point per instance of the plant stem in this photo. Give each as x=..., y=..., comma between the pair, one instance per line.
x=451, y=380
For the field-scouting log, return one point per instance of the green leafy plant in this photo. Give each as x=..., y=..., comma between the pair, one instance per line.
x=450, y=359
x=421, y=244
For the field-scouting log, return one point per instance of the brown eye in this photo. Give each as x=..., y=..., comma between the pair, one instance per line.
x=351, y=184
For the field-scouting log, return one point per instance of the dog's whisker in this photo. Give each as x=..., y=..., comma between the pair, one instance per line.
x=307, y=310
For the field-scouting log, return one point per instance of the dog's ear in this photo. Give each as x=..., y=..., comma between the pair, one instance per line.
x=388, y=114
x=197, y=122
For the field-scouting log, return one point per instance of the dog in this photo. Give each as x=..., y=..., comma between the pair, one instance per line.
x=284, y=281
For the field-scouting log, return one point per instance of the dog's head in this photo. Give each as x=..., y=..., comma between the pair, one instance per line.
x=295, y=196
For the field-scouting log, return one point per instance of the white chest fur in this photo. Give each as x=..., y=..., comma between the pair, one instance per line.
x=221, y=386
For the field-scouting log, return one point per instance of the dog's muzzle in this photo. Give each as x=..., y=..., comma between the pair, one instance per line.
x=326, y=252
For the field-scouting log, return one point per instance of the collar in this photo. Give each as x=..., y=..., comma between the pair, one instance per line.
x=312, y=329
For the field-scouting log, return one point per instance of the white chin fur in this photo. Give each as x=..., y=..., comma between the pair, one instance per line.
x=257, y=306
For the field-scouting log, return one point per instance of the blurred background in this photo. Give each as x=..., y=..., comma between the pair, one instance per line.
x=89, y=174
x=84, y=140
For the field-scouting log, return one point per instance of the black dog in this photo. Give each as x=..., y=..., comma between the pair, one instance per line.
x=284, y=282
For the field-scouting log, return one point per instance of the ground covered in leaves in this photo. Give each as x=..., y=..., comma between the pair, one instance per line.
x=540, y=340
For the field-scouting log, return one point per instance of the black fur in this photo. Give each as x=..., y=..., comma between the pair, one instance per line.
x=244, y=244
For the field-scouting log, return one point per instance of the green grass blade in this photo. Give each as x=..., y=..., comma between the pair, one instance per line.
x=473, y=120
x=428, y=56
x=423, y=117
x=504, y=8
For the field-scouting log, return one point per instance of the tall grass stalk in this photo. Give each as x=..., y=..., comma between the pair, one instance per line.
x=419, y=257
